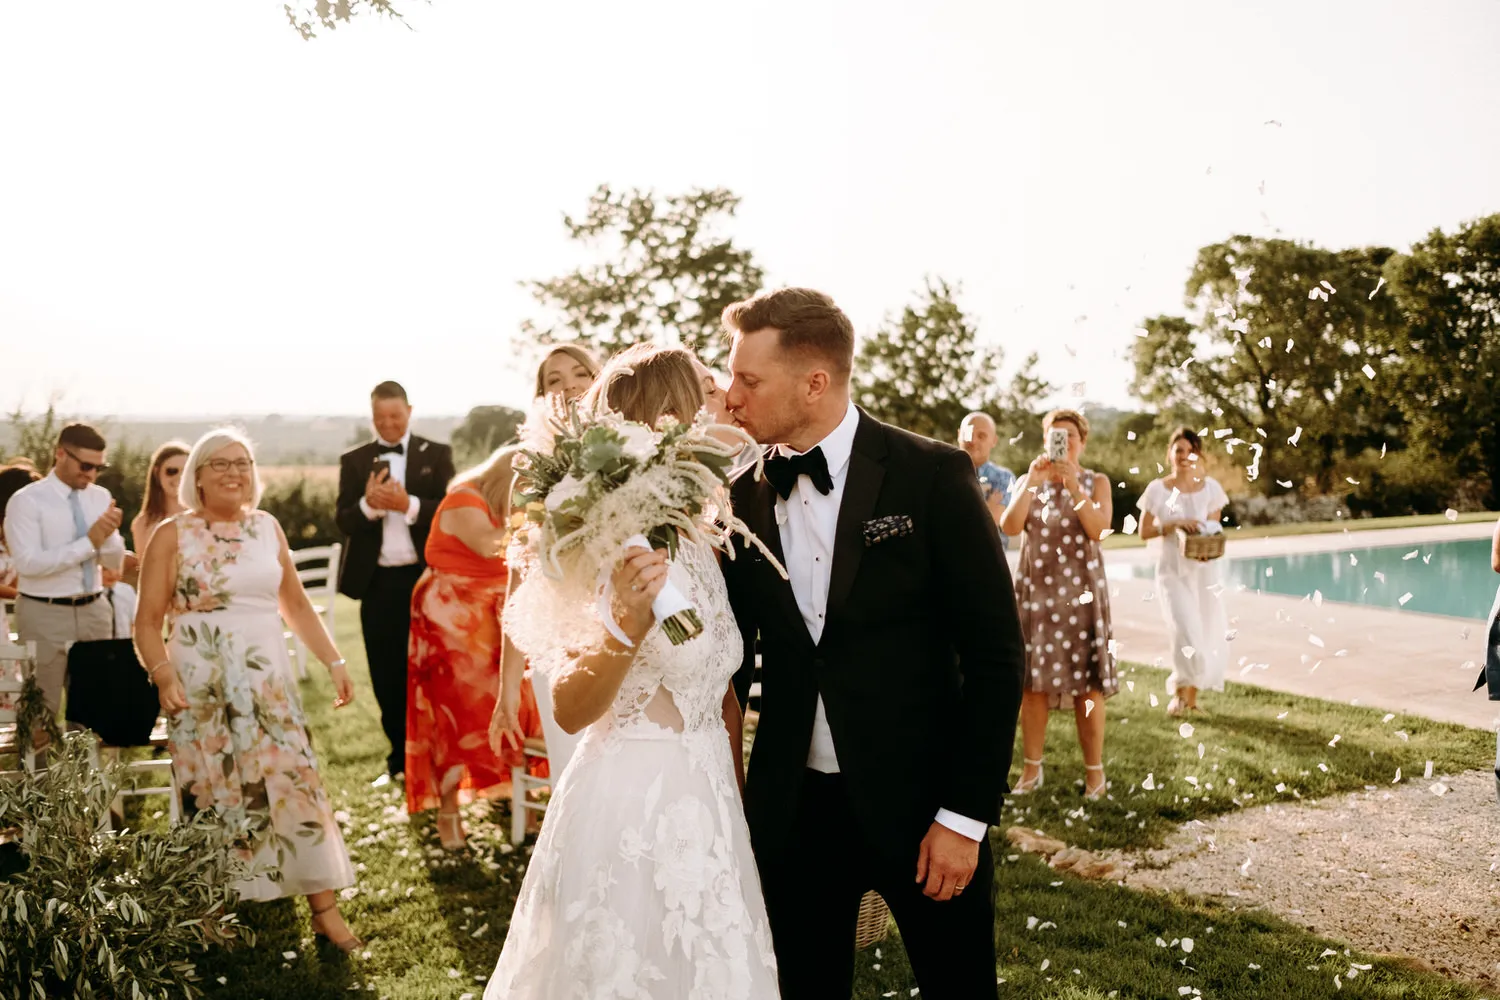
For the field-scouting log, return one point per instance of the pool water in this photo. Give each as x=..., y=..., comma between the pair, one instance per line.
x=1442, y=578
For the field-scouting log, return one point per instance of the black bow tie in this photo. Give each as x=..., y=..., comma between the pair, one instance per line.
x=383, y=449
x=782, y=471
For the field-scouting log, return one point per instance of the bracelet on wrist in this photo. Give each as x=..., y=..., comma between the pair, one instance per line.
x=337, y=663
x=151, y=673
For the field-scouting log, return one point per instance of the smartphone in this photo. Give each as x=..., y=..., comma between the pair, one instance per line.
x=1057, y=444
x=382, y=468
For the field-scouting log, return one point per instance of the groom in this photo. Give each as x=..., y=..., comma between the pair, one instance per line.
x=892, y=664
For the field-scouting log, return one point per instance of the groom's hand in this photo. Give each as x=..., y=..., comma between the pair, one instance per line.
x=946, y=862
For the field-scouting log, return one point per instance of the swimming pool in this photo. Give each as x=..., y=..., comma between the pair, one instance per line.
x=1439, y=578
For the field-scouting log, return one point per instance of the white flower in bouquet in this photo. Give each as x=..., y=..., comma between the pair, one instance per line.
x=604, y=484
x=570, y=488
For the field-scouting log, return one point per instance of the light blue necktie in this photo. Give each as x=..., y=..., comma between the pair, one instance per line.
x=82, y=527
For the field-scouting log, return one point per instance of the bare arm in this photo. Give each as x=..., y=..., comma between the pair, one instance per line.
x=153, y=597
x=734, y=722
x=472, y=526
x=1013, y=520
x=505, y=720
x=585, y=691
x=1495, y=550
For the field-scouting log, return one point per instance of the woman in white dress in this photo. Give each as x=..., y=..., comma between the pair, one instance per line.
x=642, y=883
x=1187, y=500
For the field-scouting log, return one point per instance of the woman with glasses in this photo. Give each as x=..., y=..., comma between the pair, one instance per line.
x=161, y=492
x=222, y=572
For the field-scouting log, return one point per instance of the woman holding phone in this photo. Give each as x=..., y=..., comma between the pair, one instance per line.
x=1061, y=510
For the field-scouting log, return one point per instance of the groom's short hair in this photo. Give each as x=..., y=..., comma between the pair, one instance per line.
x=808, y=321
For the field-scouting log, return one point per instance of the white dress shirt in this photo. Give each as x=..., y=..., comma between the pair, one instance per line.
x=807, y=521
x=396, y=546
x=43, y=538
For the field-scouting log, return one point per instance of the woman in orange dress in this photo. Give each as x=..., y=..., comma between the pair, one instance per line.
x=453, y=665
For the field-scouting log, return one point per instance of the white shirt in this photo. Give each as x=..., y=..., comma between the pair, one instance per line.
x=43, y=539
x=807, y=521
x=396, y=546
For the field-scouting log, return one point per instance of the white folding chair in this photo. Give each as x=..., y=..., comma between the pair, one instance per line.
x=521, y=784
x=318, y=569
x=132, y=787
x=17, y=663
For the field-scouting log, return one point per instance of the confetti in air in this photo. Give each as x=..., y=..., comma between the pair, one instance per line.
x=1378, y=285
x=1369, y=372
x=1296, y=436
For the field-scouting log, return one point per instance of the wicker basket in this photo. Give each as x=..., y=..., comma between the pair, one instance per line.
x=1200, y=547
x=874, y=921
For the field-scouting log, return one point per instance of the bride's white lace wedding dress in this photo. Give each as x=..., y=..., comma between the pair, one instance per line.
x=642, y=885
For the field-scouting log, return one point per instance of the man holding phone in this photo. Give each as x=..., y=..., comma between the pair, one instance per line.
x=388, y=492
x=62, y=531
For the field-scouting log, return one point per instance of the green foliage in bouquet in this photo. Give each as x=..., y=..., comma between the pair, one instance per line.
x=87, y=912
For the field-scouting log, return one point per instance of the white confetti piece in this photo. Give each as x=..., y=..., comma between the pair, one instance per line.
x=1317, y=599
x=1380, y=576
x=1397, y=779
x=289, y=955
x=1188, y=651
x=1451, y=514
x=1439, y=789
x=1411, y=555
x=1296, y=436
x=1351, y=480
x=1369, y=372
x=1187, y=945
x=1281, y=786
x=1353, y=559
x=1254, y=966
x=1427, y=773
x=1185, y=730
x=1315, y=641
x=454, y=974
x=1284, y=483
x=1404, y=598
x=1154, y=702
x=1143, y=332
x=1088, y=708
x=1378, y=285
x=1150, y=783
x=1130, y=524
x=1335, y=741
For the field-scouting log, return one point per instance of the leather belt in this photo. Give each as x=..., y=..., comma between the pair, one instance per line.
x=67, y=602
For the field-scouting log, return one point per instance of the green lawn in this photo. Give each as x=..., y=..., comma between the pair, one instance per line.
x=435, y=922
x=1133, y=541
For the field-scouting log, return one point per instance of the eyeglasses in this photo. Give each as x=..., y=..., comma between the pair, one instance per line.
x=86, y=466
x=241, y=465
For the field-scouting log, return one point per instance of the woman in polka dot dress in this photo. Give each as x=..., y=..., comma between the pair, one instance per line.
x=1060, y=510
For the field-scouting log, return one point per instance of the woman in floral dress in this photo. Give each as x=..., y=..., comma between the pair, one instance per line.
x=223, y=573
x=1061, y=510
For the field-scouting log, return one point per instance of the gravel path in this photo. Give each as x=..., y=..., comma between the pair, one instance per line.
x=1399, y=871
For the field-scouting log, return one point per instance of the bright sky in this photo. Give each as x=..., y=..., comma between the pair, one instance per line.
x=200, y=213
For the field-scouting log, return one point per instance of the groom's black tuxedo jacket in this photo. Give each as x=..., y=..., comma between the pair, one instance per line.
x=429, y=468
x=920, y=662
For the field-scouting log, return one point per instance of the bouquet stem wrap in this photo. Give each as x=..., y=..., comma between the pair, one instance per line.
x=678, y=618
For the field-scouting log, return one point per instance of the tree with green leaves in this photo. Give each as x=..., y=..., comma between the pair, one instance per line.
x=484, y=429
x=925, y=369
x=1448, y=292
x=665, y=273
x=1279, y=338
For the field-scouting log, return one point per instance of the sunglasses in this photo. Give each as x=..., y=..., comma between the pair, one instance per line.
x=86, y=466
x=171, y=472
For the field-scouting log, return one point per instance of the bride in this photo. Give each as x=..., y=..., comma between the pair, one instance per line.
x=642, y=884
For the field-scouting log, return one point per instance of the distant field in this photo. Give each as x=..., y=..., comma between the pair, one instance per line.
x=290, y=473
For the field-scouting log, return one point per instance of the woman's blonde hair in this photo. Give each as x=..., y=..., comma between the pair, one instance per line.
x=646, y=382
x=491, y=479
x=1069, y=416
x=573, y=351
x=208, y=445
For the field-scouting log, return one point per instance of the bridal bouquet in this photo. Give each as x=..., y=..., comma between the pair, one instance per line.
x=591, y=486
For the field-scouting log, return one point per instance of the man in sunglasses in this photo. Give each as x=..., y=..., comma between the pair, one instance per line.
x=62, y=531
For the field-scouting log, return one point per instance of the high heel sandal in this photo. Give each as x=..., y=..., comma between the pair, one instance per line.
x=1097, y=793
x=349, y=944
x=459, y=839
x=1022, y=787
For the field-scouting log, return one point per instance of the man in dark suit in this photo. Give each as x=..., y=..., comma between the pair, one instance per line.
x=388, y=492
x=892, y=663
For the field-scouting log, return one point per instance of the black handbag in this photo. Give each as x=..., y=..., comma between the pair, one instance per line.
x=110, y=693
